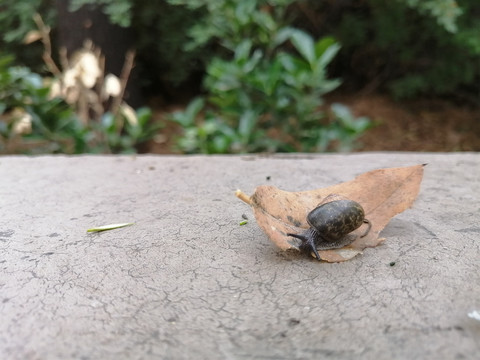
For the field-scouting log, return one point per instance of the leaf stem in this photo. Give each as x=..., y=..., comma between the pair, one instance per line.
x=244, y=197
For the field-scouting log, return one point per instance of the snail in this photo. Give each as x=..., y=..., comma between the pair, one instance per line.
x=330, y=223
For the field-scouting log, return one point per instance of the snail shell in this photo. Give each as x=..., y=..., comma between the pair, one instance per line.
x=330, y=223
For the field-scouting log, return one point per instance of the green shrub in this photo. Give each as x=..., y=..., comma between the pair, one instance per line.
x=118, y=11
x=408, y=47
x=162, y=35
x=262, y=89
x=34, y=122
x=16, y=20
x=263, y=98
x=30, y=121
x=445, y=12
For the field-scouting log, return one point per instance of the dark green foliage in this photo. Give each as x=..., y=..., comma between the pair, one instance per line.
x=162, y=39
x=431, y=59
x=16, y=20
x=116, y=134
x=118, y=11
x=409, y=47
x=53, y=123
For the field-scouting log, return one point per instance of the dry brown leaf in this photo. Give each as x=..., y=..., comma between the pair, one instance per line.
x=383, y=194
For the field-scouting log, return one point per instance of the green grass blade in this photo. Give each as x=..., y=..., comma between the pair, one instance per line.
x=108, y=227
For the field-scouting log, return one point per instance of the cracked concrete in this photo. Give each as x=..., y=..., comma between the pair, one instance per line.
x=187, y=281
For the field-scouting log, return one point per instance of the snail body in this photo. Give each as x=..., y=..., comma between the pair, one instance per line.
x=330, y=223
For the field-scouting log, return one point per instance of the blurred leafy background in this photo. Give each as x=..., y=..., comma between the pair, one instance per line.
x=249, y=75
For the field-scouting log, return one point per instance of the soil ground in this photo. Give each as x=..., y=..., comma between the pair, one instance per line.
x=435, y=125
x=420, y=125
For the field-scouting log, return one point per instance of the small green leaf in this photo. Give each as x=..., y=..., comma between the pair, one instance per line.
x=108, y=227
x=283, y=35
x=242, y=51
x=327, y=56
x=323, y=44
x=246, y=124
x=303, y=42
x=244, y=222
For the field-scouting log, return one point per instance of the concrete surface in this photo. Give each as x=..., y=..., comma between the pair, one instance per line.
x=187, y=282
